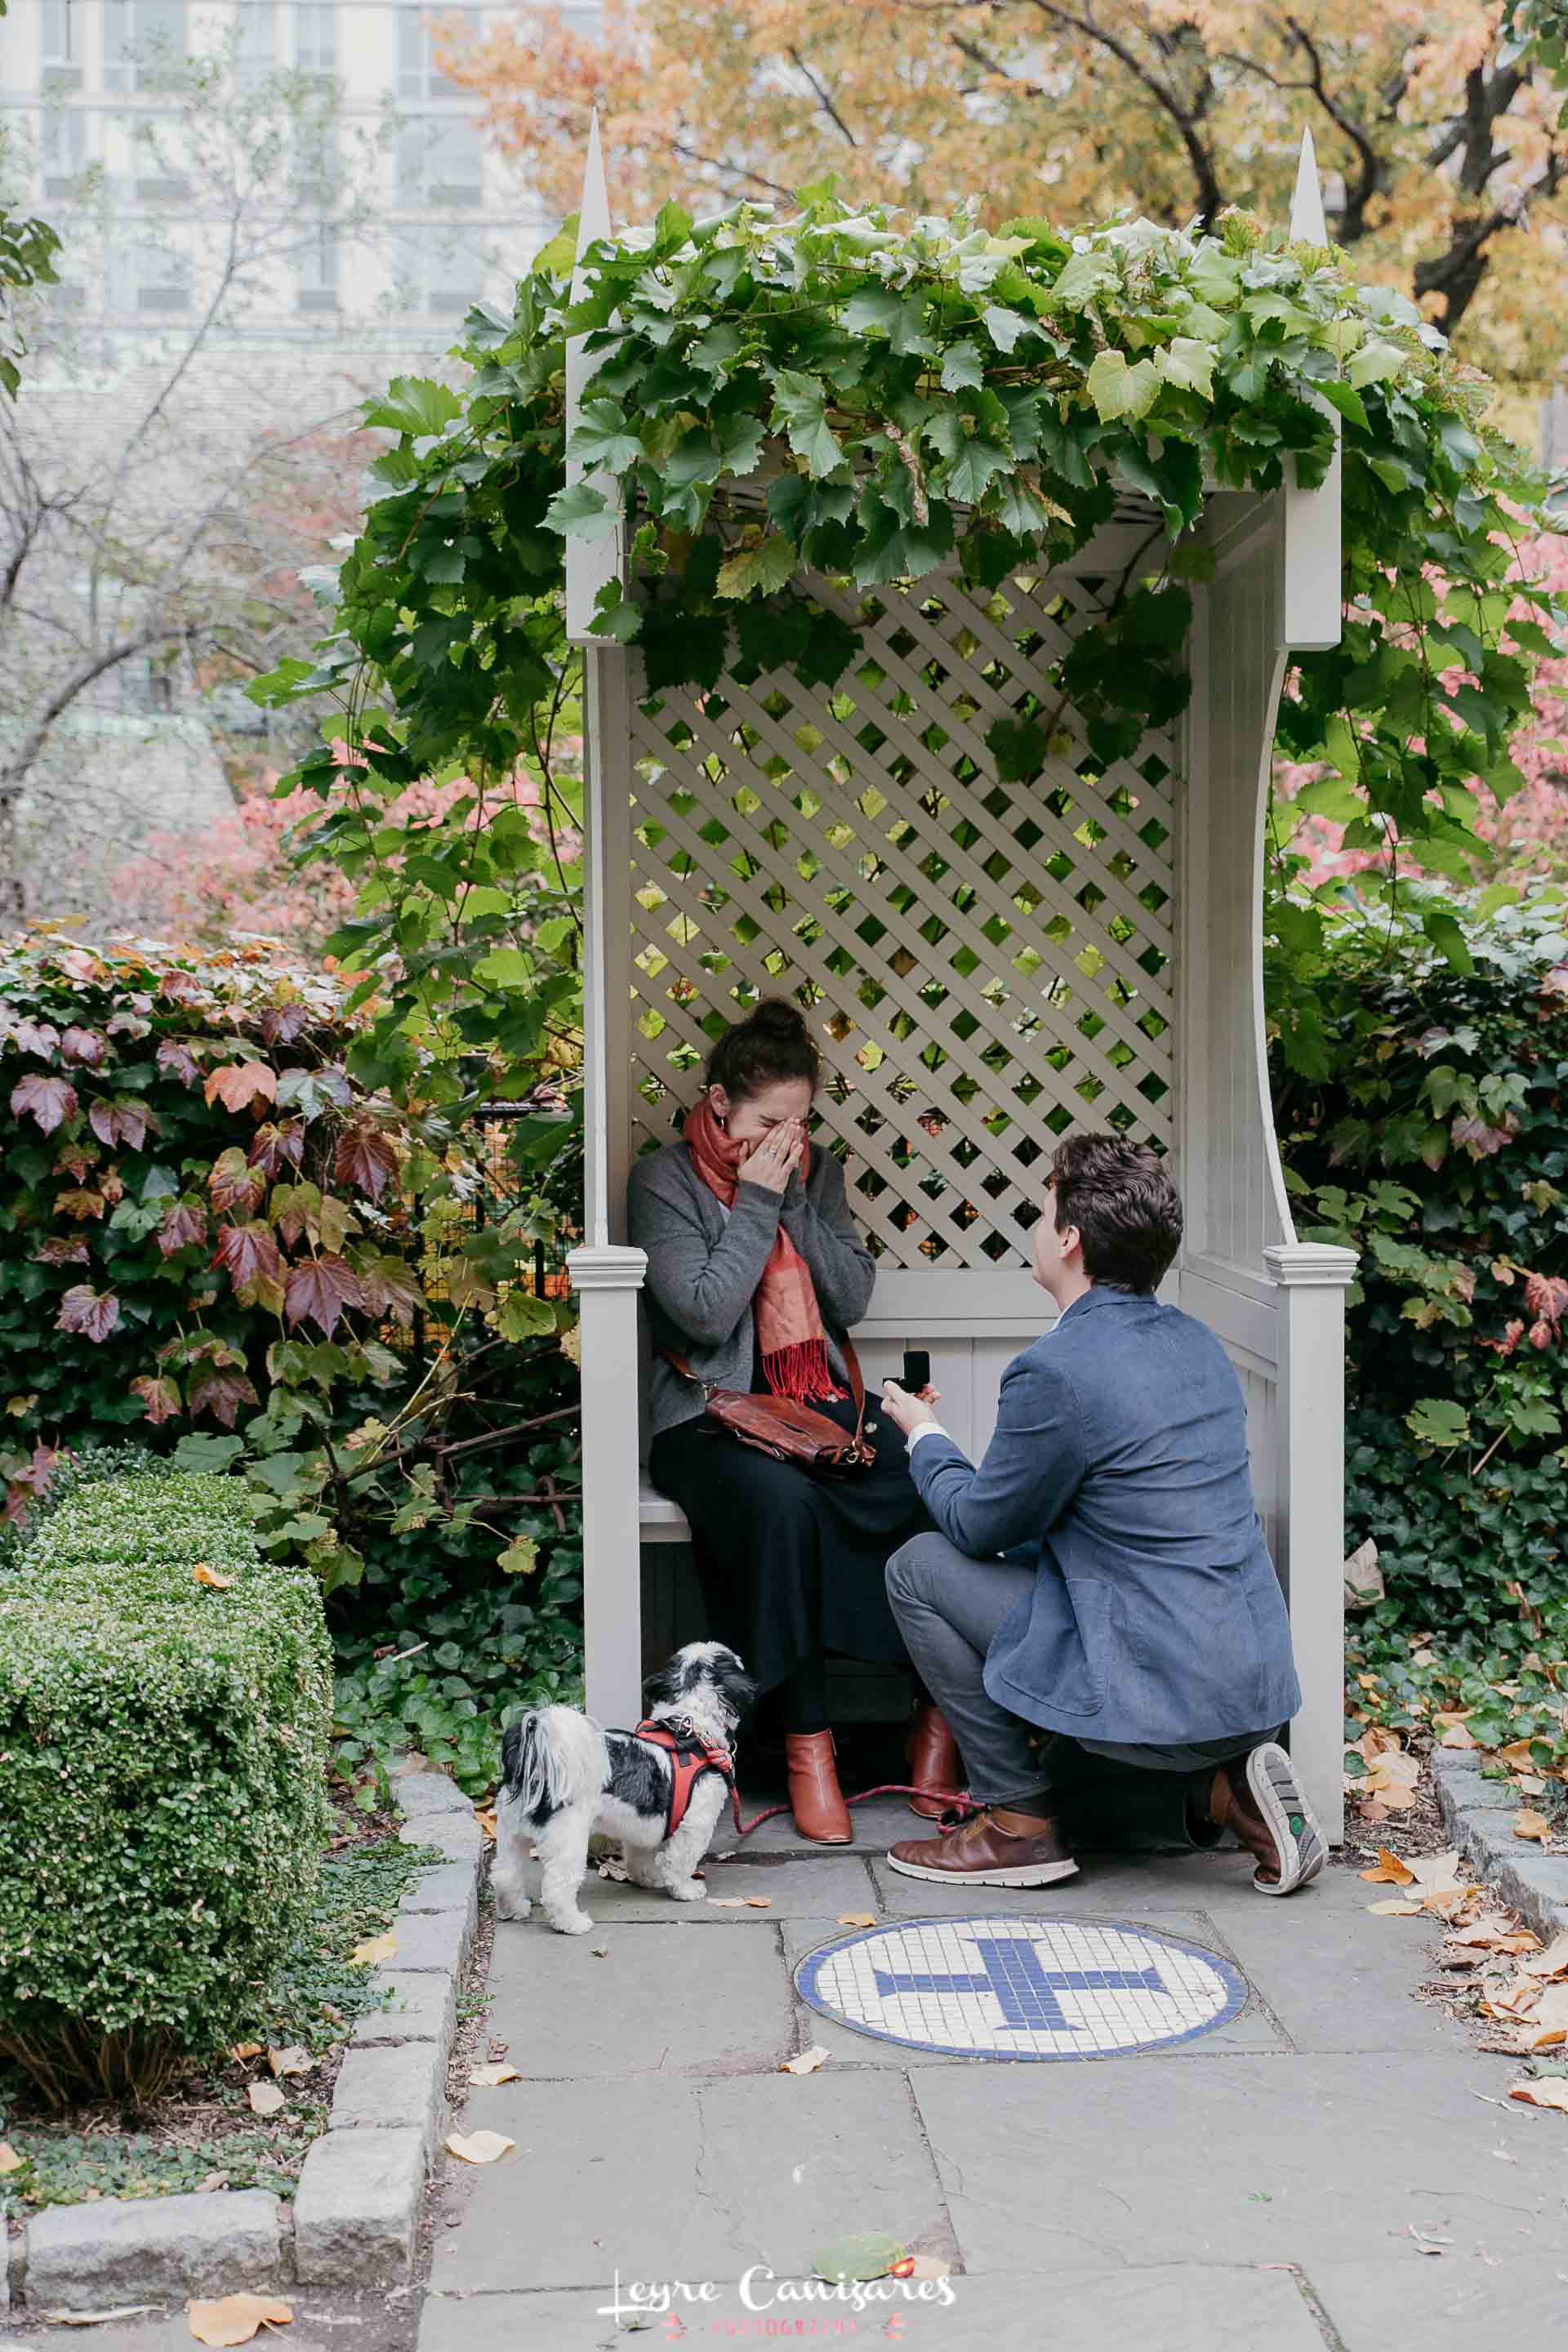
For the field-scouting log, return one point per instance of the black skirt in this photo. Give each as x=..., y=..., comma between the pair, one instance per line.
x=792, y=1562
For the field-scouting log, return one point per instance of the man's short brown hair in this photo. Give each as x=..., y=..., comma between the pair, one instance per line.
x=1127, y=1210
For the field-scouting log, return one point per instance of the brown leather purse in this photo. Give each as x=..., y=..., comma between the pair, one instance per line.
x=791, y=1432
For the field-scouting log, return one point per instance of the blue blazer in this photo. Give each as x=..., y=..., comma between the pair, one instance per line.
x=1118, y=1468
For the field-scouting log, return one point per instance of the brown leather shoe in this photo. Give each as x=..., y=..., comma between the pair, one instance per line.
x=815, y=1797
x=998, y=1848
x=1257, y=1799
x=934, y=1763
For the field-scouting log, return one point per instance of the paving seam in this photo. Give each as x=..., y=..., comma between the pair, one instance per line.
x=1325, y=2326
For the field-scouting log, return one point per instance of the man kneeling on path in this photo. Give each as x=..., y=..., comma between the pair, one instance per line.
x=1103, y=1574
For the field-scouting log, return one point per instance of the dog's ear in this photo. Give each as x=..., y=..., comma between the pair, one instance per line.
x=735, y=1685
x=663, y=1689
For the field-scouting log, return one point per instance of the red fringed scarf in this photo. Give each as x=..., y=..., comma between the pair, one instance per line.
x=789, y=1321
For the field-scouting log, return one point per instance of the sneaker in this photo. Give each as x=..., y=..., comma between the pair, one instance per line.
x=1262, y=1802
x=984, y=1852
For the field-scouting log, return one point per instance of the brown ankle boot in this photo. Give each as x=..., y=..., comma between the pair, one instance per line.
x=815, y=1797
x=934, y=1763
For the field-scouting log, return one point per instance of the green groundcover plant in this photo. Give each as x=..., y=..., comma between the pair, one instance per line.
x=165, y=1703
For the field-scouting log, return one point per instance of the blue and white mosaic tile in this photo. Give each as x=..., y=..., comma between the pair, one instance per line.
x=1018, y=1987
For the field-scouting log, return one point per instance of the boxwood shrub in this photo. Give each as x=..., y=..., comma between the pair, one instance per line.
x=165, y=1706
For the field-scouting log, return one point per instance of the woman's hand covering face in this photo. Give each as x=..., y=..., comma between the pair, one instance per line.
x=776, y=1156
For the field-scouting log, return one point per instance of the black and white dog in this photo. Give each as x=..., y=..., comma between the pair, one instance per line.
x=563, y=1777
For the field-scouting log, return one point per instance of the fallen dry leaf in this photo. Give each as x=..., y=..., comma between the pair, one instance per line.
x=246, y=2050
x=760, y=1902
x=374, y=1949
x=100, y=2318
x=1398, y=1907
x=1447, y=1902
x=480, y=2147
x=209, y=1576
x=856, y=1918
x=266, y=2099
x=1518, y=1751
x=1521, y=1940
x=292, y=2061
x=485, y=1816
x=1552, y=1962
x=1516, y=1999
x=1390, y=1870
x=807, y=2062
x=1457, y=1736
x=9, y=2159
x=1550, y=2092
x=1435, y=1870
x=1548, y=2019
x=490, y=2078
x=234, y=2318
x=600, y=1951
x=926, y=2267
x=1528, y=1824
x=727, y=1902
x=1489, y=1930
x=1529, y=1784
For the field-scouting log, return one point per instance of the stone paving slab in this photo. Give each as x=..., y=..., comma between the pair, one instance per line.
x=684, y=2180
x=1190, y=2309
x=385, y=2322
x=1285, y=2159
x=1337, y=1977
x=798, y=1889
x=1447, y=2303
x=1108, y=1885
x=876, y=1824
x=667, y=1999
x=1253, y=2030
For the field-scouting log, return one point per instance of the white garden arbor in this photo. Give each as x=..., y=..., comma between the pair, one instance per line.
x=956, y=944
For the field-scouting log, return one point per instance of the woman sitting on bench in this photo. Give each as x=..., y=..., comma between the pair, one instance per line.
x=755, y=1271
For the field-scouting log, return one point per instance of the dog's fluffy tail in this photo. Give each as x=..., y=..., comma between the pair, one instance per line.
x=551, y=1758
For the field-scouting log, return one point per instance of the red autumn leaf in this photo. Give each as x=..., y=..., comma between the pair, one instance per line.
x=81, y=964
x=76, y=1160
x=62, y=1249
x=282, y=1024
x=388, y=1289
x=233, y=1183
x=249, y=1253
x=278, y=1146
x=1546, y=1295
x=320, y=1290
x=93, y=1313
x=161, y=1397
x=79, y=1205
x=1541, y=1334
x=182, y=987
x=1513, y=1333
x=365, y=1158
x=182, y=1225
x=236, y=1084
x=120, y=1122
x=49, y=1100
x=175, y=1057
x=84, y=1046
x=127, y=1025
x=39, y=1037
x=1482, y=1141
x=221, y=1393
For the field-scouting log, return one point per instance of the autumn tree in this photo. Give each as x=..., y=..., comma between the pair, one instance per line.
x=1436, y=122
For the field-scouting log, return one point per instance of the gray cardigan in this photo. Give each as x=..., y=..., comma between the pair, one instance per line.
x=703, y=1268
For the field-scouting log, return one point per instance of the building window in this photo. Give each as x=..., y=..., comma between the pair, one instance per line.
x=317, y=165
x=318, y=286
x=418, y=75
x=441, y=163
x=440, y=271
x=256, y=52
x=143, y=43
x=316, y=36
x=156, y=177
x=61, y=37
x=151, y=280
x=63, y=144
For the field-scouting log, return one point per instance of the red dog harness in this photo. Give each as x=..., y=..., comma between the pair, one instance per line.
x=691, y=1756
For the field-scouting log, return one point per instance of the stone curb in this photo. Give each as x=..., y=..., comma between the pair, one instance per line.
x=355, y=2217
x=1479, y=1815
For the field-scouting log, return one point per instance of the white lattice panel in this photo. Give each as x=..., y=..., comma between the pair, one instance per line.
x=987, y=964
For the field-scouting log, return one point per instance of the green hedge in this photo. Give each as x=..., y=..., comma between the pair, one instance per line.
x=162, y=1809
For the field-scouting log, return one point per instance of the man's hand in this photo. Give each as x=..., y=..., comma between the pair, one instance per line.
x=905, y=1411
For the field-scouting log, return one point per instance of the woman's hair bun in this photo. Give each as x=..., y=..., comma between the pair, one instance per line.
x=775, y=1017
x=774, y=1042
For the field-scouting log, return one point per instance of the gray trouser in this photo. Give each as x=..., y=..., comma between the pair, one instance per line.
x=948, y=1608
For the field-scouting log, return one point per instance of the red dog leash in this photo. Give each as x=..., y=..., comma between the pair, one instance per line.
x=958, y=1799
